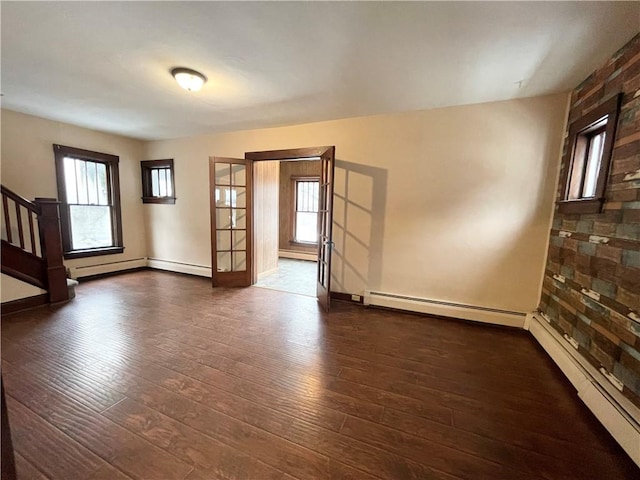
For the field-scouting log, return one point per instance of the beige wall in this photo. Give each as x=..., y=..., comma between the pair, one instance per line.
x=451, y=204
x=27, y=167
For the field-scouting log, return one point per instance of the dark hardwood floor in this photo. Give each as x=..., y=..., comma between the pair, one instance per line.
x=154, y=375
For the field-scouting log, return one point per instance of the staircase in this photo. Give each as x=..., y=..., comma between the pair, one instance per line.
x=32, y=249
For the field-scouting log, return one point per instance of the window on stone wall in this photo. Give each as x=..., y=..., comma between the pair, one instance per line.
x=590, y=147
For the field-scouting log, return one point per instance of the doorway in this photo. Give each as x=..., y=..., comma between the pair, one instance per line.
x=287, y=199
x=236, y=213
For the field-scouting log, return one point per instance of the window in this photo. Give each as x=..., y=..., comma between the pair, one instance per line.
x=157, y=181
x=89, y=194
x=305, y=222
x=590, y=147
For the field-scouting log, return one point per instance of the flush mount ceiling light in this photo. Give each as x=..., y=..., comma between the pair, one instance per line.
x=188, y=79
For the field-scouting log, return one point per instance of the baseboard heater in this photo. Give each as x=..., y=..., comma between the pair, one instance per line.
x=106, y=267
x=618, y=415
x=446, y=309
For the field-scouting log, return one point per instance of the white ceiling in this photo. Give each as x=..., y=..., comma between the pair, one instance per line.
x=105, y=65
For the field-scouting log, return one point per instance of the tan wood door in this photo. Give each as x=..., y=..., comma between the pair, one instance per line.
x=325, y=221
x=230, y=188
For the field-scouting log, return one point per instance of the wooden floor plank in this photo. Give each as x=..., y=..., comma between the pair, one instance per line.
x=156, y=375
x=103, y=437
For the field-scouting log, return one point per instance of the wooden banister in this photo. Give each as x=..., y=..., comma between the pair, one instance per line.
x=41, y=266
x=51, y=244
x=19, y=199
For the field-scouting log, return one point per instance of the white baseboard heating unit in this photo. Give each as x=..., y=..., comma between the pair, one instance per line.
x=599, y=393
x=445, y=309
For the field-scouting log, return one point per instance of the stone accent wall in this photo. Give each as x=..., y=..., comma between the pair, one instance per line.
x=591, y=289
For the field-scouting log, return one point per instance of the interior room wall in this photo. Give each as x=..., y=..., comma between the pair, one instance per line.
x=28, y=169
x=301, y=168
x=266, y=180
x=452, y=204
x=591, y=287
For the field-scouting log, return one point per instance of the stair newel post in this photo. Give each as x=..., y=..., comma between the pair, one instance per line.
x=51, y=243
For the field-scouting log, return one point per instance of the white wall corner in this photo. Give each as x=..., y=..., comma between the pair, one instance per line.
x=616, y=412
x=527, y=320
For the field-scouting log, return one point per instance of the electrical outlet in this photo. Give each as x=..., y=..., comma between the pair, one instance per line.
x=355, y=298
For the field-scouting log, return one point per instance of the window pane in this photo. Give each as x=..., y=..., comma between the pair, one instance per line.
x=92, y=183
x=162, y=173
x=596, y=145
x=103, y=192
x=155, y=187
x=90, y=226
x=70, y=180
x=306, y=227
x=167, y=172
x=81, y=179
x=307, y=196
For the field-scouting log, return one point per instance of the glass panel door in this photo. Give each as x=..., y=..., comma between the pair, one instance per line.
x=325, y=221
x=230, y=184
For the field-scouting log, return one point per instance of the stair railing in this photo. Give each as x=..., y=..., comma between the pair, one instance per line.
x=37, y=262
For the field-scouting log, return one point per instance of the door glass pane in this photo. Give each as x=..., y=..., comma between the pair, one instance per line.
x=239, y=261
x=224, y=261
x=90, y=226
x=223, y=174
x=239, y=197
x=239, y=239
x=223, y=239
x=239, y=175
x=239, y=218
x=225, y=196
x=223, y=218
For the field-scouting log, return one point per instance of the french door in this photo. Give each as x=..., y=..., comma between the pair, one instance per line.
x=231, y=221
x=231, y=187
x=325, y=221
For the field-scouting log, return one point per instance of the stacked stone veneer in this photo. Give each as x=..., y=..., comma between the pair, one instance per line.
x=591, y=289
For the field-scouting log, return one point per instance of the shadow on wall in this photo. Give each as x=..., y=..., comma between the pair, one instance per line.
x=360, y=194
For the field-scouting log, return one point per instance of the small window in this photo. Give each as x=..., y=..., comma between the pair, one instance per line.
x=590, y=147
x=89, y=193
x=157, y=181
x=305, y=223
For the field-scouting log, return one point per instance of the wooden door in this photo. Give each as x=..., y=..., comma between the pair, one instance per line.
x=325, y=221
x=231, y=221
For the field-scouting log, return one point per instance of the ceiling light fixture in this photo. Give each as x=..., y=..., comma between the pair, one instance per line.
x=188, y=79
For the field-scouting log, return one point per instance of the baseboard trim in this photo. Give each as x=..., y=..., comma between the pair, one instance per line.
x=95, y=271
x=618, y=415
x=446, y=309
x=346, y=297
x=298, y=255
x=267, y=273
x=179, y=267
x=26, y=303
